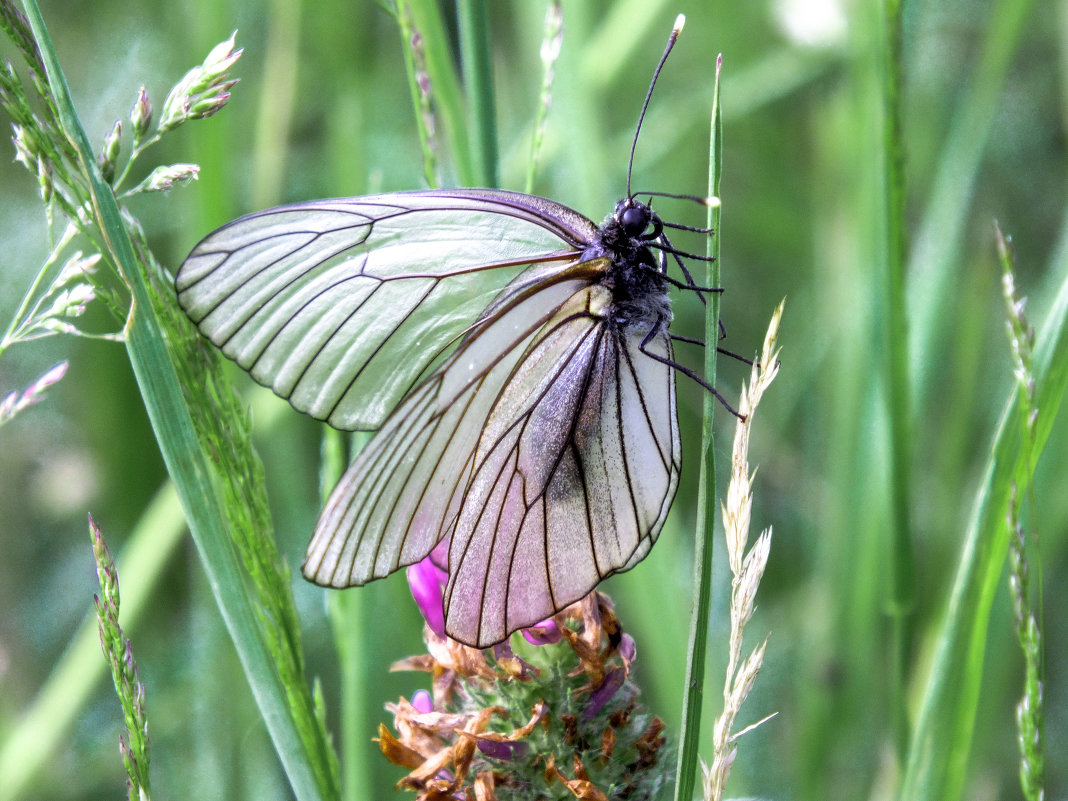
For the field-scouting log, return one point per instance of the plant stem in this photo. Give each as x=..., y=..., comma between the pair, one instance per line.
x=285, y=704
x=690, y=737
x=895, y=367
x=478, y=85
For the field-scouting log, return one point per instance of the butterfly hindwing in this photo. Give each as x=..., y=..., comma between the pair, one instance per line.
x=340, y=306
x=577, y=465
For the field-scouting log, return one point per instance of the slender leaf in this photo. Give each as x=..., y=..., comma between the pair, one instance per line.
x=478, y=84
x=267, y=645
x=932, y=259
x=445, y=84
x=937, y=763
x=895, y=363
x=689, y=740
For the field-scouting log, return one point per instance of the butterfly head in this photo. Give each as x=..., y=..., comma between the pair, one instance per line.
x=625, y=237
x=636, y=219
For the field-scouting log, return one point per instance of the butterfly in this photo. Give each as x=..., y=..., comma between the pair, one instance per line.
x=514, y=358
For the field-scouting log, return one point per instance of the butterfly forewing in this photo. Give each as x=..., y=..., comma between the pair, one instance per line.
x=340, y=306
x=562, y=494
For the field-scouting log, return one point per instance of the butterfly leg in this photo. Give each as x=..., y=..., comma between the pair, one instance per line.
x=686, y=371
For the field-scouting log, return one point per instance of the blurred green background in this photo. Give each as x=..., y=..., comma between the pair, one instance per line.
x=323, y=109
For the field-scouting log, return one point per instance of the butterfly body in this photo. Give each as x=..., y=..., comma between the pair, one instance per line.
x=514, y=359
x=639, y=289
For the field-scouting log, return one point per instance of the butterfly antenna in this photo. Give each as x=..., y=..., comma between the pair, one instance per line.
x=679, y=22
x=704, y=201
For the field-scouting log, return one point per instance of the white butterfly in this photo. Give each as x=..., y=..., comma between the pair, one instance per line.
x=515, y=359
x=545, y=445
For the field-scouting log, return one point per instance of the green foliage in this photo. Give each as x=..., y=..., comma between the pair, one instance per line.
x=1026, y=597
x=325, y=107
x=704, y=549
x=199, y=433
x=124, y=674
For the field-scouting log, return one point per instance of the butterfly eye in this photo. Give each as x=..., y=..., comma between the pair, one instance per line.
x=635, y=219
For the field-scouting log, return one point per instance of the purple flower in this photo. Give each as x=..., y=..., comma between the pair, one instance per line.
x=544, y=633
x=427, y=581
x=503, y=749
x=603, y=694
x=461, y=741
x=422, y=701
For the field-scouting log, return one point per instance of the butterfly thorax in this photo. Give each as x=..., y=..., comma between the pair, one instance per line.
x=637, y=284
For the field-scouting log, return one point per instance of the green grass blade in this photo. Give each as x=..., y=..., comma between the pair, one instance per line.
x=349, y=615
x=938, y=756
x=689, y=740
x=445, y=84
x=278, y=97
x=349, y=612
x=895, y=365
x=478, y=85
x=623, y=27
x=932, y=279
x=263, y=628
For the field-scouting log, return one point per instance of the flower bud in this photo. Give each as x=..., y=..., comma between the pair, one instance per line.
x=77, y=267
x=44, y=179
x=15, y=402
x=24, y=147
x=203, y=90
x=167, y=177
x=109, y=155
x=141, y=115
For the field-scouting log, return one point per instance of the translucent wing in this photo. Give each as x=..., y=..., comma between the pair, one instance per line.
x=574, y=473
x=401, y=494
x=341, y=306
x=527, y=424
